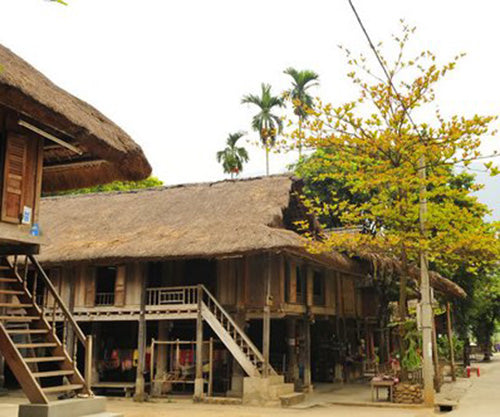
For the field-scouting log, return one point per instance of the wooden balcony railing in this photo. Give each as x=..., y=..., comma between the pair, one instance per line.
x=171, y=295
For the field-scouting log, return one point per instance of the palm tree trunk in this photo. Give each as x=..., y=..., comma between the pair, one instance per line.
x=300, y=138
x=267, y=160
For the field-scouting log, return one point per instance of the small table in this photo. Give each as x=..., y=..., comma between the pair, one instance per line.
x=376, y=385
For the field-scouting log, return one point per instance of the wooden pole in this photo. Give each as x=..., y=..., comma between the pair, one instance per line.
x=140, y=393
x=211, y=366
x=435, y=356
x=307, y=356
x=292, y=368
x=266, y=321
x=450, y=341
x=88, y=360
x=198, y=382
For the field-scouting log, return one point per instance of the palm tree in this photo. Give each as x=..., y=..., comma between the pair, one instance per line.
x=265, y=122
x=302, y=101
x=233, y=157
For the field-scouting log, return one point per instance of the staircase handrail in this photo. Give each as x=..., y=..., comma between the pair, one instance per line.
x=53, y=292
x=242, y=334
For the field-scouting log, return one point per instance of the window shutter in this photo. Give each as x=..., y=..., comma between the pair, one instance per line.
x=15, y=163
x=120, y=286
x=90, y=287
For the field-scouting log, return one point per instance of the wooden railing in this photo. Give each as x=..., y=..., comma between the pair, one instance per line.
x=60, y=318
x=104, y=299
x=234, y=330
x=171, y=295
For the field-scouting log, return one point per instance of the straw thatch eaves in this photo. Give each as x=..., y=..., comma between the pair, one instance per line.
x=108, y=153
x=395, y=266
x=208, y=220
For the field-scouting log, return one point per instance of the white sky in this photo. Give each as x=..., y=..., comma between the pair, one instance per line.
x=172, y=73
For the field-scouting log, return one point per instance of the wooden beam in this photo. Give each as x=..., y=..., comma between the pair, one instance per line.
x=49, y=136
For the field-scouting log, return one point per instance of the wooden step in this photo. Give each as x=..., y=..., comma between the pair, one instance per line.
x=62, y=388
x=11, y=292
x=11, y=305
x=35, y=345
x=27, y=331
x=5, y=279
x=49, y=374
x=19, y=318
x=37, y=359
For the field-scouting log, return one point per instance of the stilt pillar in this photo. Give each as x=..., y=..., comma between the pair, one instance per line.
x=140, y=392
x=307, y=356
x=292, y=363
x=198, y=382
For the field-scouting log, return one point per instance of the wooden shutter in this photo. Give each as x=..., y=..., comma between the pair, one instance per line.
x=120, y=285
x=14, y=172
x=90, y=274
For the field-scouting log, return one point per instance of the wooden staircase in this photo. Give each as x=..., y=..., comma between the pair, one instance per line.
x=39, y=342
x=234, y=338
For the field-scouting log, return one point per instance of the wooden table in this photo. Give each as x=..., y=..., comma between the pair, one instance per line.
x=376, y=385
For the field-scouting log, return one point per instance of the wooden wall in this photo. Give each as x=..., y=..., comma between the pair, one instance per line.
x=239, y=284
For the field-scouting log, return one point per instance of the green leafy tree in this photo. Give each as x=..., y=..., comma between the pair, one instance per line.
x=150, y=182
x=233, y=157
x=302, y=101
x=265, y=122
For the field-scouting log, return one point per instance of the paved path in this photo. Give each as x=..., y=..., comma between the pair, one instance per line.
x=483, y=397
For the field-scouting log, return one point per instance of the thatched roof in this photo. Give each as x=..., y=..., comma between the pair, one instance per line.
x=108, y=152
x=393, y=265
x=199, y=220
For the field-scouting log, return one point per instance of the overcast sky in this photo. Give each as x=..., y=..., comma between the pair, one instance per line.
x=172, y=73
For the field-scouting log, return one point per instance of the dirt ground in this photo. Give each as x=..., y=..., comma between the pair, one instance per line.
x=480, y=398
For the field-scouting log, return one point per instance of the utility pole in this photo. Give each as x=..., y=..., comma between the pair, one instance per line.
x=425, y=293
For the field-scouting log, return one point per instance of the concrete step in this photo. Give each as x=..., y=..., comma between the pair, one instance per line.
x=75, y=407
x=277, y=390
x=292, y=399
x=276, y=379
x=223, y=400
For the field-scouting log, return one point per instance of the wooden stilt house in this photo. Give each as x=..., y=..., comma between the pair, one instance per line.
x=215, y=260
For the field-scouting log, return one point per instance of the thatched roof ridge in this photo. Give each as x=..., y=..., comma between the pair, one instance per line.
x=197, y=220
x=28, y=92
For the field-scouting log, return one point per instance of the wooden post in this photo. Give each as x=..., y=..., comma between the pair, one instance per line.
x=292, y=366
x=210, y=366
x=266, y=320
x=198, y=382
x=161, y=356
x=88, y=360
x=435, y=355
x=307, y=355
x=450, y=341
x=140, y=393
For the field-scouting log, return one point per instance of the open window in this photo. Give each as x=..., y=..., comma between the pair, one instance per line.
x=318, y=288
x=105, y=282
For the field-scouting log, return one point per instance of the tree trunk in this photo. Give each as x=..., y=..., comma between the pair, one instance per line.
x=267, y=159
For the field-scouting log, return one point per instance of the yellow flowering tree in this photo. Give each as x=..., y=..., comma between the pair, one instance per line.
x=372, y=147
x=390, y=150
